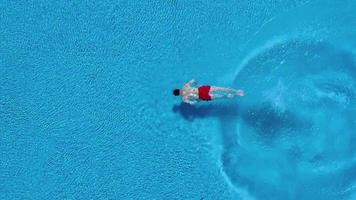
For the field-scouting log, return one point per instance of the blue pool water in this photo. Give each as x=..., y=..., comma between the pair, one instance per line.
x=86, y=110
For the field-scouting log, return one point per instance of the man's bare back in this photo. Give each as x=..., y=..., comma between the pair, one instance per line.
x=192, y=95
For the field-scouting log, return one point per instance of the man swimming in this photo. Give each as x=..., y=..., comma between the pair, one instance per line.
x=192, y=95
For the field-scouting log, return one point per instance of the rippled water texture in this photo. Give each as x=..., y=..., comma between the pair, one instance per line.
x=87, y=111
x=295, y=135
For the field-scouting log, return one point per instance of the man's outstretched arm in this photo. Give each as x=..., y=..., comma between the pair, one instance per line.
x=190, y=82
x=191, y=102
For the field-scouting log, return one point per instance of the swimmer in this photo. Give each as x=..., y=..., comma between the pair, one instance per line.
x=192, y=95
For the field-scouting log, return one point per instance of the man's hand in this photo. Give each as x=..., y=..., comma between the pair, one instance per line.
x=191, y=81
x=191, y=102
x=187, y=85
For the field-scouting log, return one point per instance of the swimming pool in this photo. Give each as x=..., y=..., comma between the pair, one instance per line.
x=86, y=110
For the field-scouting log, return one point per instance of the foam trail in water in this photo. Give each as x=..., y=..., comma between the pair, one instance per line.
x=268, y=45
x=243, y=193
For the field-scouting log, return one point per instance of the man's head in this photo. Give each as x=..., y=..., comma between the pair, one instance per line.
x=176, y=92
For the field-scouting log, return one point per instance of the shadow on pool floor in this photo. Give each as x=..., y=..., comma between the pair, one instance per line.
x=226, y=114
x=221, y=111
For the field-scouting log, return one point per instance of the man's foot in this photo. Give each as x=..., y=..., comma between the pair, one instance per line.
x=240, y=93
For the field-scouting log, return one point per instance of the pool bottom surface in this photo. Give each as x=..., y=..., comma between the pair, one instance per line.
x=87, y=111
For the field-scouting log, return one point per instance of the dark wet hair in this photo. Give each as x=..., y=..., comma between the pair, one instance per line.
x=176, y=92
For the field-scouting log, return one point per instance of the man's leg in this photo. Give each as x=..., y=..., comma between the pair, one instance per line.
x=225, y=92
x=216, y=96
x=215, y=88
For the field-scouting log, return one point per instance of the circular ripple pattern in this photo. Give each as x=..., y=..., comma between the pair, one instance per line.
x=296, y=132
